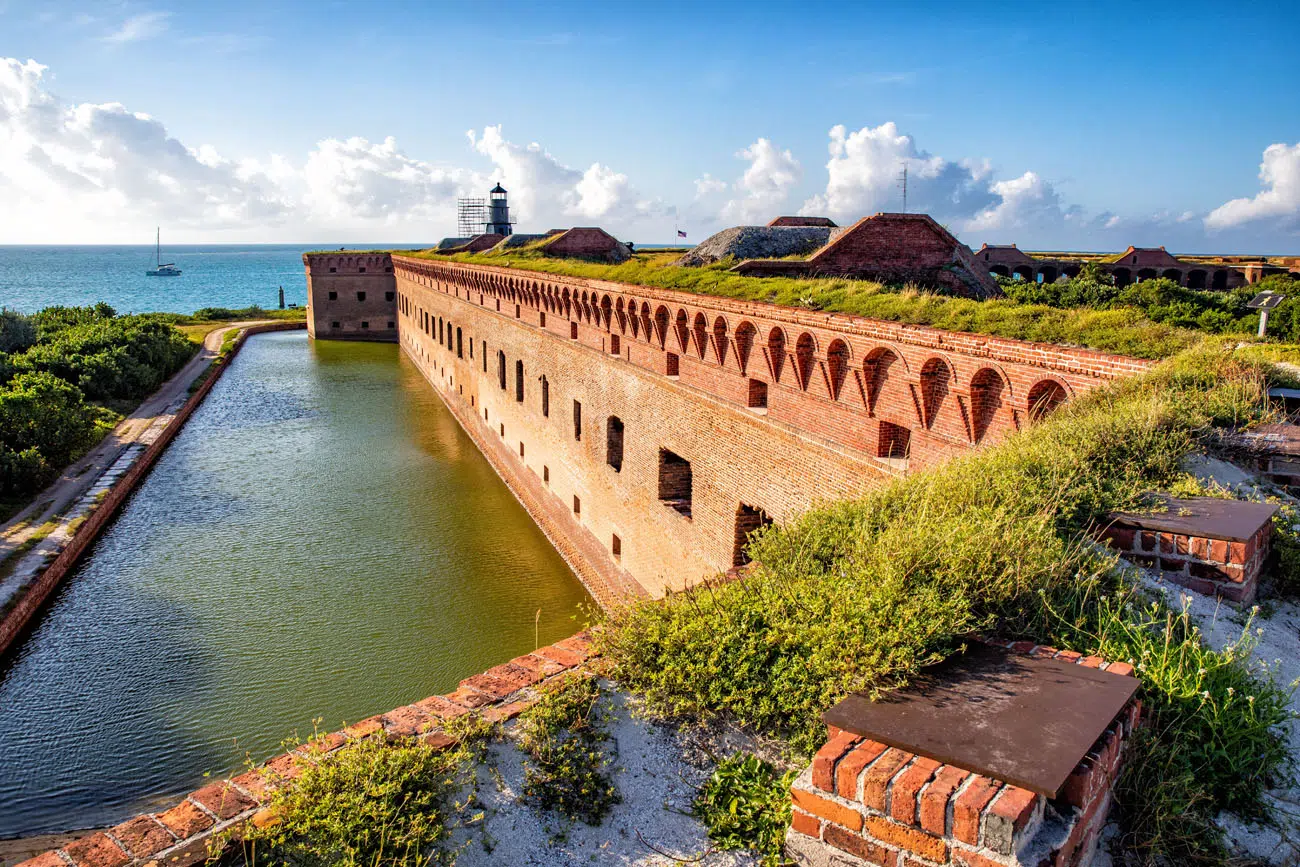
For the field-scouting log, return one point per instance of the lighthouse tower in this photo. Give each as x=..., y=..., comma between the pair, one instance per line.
x=498, y=216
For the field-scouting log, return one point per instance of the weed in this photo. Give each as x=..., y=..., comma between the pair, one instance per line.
x=746, y=805
x=564, y=738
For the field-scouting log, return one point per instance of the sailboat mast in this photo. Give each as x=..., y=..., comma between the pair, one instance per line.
x=157, y=246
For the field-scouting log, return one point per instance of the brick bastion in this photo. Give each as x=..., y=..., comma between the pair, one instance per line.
x=649, y=431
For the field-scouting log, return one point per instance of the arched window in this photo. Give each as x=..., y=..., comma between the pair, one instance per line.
x=720, y=340
x=837, y=366
x=776, y=352
x=1044, y=397
x=986, y=400
x=745, y=336
x=805, y=349
x=936, y=377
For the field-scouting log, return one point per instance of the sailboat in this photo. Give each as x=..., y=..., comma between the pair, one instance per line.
x=161, y=270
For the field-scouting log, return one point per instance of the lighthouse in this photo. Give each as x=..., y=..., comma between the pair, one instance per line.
x=498, y=216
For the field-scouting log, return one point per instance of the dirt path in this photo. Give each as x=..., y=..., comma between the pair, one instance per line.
x=82, y=475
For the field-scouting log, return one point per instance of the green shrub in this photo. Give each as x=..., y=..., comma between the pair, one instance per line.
x=564, y=737
x=745, y=804
x=370, y=804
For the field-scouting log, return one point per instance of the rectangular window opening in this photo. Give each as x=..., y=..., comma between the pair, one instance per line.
x=546, y=474
x=614, y=347
x=893, y=441
x=361, y=296
x=614, y=443
x=577, y=421
x=675, y=482
x=573, y=330
x=616, y=546
x=519, y=381
x=334, y=296
x=672, y=364
x=757, y=394
x=546, y=397
x=577, y=506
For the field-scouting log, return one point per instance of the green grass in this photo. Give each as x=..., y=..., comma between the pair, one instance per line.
x=860, y=595
x=1126, y=331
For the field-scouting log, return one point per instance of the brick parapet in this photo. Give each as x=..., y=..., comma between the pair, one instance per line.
x=851, y=380
x=861, y=802
x=351, y=296
x=15, y=621
x=210, y=818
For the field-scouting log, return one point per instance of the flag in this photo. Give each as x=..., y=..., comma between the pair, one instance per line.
x=681, y=234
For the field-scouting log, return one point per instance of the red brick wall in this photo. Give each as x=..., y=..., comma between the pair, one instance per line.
x=347, y=276
x=831, y=380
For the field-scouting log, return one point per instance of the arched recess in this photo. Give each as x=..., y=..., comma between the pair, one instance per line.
x=884, y=371
x=1123, y=276
x=1047, y=274
x=682, y=327
x=1173, y=274
x=606, y=312
x=837, y=366
x=1196, y=279
x=720, y=340
x=662, y=318
x=805, y=355
x=1000, y=271
x=776, y=352
x=701, y=330
x=936, y=381
x=1023, y=272
x=1146, y=274
x=1044, y=397
x=987, y=389
x=746, y=334
x=645, y=322
x=1219, y=280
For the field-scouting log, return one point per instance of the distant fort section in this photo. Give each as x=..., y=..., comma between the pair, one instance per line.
x=649, y=431
x=1137, y=264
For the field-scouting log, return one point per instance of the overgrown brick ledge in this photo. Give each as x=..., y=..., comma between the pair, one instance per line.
x=865, y=803
x=188, y=833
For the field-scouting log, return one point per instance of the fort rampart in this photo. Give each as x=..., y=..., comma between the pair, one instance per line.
x=350, y=296
x=650, y=430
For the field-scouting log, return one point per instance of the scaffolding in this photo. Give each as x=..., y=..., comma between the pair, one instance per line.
x=471, y=217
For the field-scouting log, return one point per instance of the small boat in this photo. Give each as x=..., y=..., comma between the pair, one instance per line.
x=160, y=269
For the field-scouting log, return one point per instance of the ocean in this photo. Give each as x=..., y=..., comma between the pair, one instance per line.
x=212, y=275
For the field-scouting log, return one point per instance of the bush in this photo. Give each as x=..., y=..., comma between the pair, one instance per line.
x=745, y=804
x=370, y=804
x=859, y=595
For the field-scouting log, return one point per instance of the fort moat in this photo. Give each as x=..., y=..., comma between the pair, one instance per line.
x=322, y=541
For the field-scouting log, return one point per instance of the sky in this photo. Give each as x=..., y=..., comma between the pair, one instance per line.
x=1066, y=126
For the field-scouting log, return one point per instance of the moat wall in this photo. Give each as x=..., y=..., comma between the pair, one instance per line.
x=595, y=400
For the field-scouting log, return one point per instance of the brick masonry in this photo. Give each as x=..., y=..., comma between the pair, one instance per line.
x=209, y=818
x=861, y=802
x=774, y=408
x=1201, y=561
x=350, y=296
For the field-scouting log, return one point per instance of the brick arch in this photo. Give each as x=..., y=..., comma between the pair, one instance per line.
x=682, y=327
x=805, y=358
x=662, y=319
x=746, y=334
x=1044, y=397
x=621, y=315
x=606, y=312
x=720, y=340
x=989, y=393
x=937, y=379
x=838, y=358
x=701, y=331
x=776, y=346
x=645, y=322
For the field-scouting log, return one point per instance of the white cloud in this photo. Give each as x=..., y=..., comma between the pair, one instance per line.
x=101, y=171
x=864, y=177
x=1278, y=202
x=137, y=28
x=708, y=185
x=1025, y=203
x=764, y=187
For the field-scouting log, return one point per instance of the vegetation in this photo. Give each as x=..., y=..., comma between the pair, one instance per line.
x=370, y=804
x=859, y=595
x=564, y=738
x=66, y=374
x=745, y=804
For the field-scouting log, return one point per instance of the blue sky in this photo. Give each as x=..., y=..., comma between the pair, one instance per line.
x=1053, y=125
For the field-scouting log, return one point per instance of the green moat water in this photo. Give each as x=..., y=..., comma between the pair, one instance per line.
x=321, y=541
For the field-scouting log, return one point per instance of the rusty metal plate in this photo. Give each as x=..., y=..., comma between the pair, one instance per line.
x=1209, y=517
x=1007, y=716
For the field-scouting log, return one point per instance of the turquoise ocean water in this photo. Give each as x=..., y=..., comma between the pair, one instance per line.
x=212, y=276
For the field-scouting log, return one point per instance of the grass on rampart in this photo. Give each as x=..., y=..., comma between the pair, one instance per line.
x=860, y=595
x=1124, y=331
